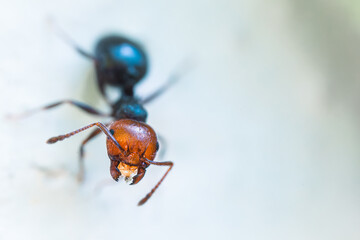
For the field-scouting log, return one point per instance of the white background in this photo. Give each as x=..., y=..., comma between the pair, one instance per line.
x=264, y=131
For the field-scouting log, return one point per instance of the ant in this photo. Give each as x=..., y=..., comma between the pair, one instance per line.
x=131, y=143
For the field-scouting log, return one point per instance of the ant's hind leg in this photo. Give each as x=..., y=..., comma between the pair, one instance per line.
x=67, y=39
x=185, y=67
x=77, y=104
x=173, y=79
x=80, y=175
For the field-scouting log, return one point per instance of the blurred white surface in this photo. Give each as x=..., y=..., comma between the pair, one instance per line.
x=263, y=132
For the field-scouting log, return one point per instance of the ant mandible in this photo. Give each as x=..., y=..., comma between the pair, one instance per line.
x=131, y=143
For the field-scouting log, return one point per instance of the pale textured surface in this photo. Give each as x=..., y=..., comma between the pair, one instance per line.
x=264, y=132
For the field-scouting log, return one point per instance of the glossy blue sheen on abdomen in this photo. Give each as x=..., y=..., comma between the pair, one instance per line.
x=127, y=53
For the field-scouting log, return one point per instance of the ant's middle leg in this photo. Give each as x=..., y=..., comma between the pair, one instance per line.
x=80, y=105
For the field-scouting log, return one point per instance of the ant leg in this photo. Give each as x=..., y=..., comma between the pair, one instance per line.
x=173, y=79
x=101, y=86
x=66, y=38
x=185, y=67
x=170, y=164
x=80, y=105
x=101, y=126
x=163, y=146
x=80, y=175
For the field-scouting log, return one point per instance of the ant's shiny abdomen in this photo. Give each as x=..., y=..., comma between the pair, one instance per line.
x=120, y=62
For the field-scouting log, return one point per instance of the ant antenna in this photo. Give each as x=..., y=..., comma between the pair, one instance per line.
x=102, y=127
x=170, y=164
x=67, y=39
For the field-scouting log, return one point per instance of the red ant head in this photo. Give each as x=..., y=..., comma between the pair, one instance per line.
x=138, y=141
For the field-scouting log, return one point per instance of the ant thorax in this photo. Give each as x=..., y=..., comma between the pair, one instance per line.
x=129, y=108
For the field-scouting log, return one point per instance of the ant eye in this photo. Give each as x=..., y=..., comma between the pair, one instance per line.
x=157, y=146
x=112, y=131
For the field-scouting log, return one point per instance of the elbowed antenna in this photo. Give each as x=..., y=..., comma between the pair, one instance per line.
x=102, y=127
x=170, y=164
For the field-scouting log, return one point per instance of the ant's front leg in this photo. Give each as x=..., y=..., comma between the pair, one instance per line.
x=162, y=147
x=81, y=173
